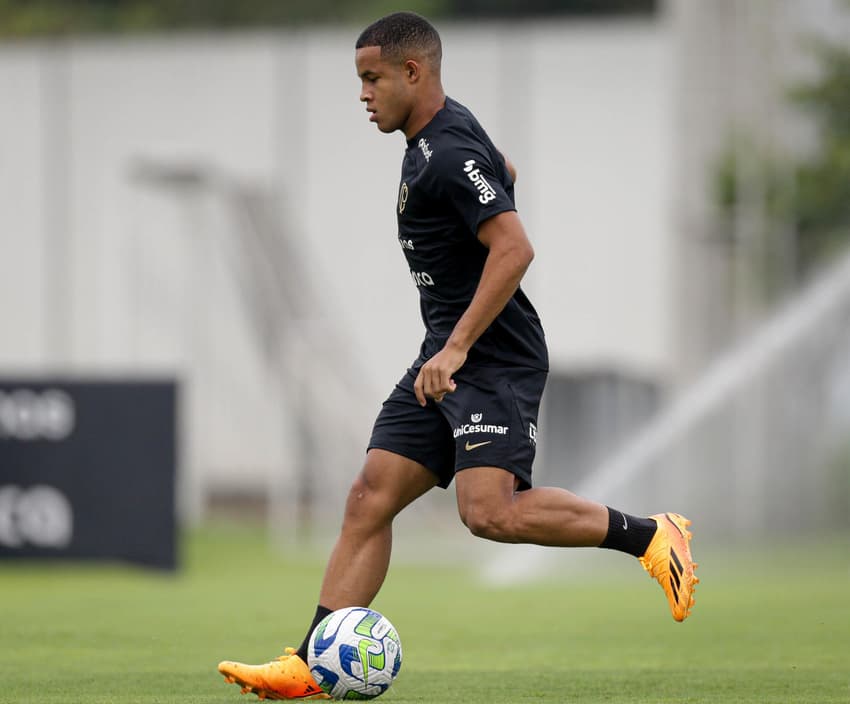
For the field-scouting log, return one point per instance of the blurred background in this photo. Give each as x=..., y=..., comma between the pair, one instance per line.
x=193, y=205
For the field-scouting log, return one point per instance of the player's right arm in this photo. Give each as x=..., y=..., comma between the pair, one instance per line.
x=468, y=177
x=509, y=254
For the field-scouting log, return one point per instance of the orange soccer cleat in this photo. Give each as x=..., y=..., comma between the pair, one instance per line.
x=668, y=559
x=286, y=677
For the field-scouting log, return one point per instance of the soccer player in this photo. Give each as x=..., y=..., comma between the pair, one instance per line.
x=466, y=410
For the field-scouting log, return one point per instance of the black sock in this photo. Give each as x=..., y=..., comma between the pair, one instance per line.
x=321, y=612
x=628, y=533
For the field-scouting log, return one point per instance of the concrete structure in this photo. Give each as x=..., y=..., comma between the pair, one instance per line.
x=217, y=208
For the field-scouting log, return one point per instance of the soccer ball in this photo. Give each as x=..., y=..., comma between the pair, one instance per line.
x=354, y=653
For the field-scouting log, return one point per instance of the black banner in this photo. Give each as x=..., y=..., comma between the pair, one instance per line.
x=87, y=470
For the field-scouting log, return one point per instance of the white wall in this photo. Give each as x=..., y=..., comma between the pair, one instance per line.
x=100, y=273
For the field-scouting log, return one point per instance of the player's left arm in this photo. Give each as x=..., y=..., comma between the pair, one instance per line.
x=508, y=258
x=509, y=165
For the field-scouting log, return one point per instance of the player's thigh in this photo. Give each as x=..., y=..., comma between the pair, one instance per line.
x=483, y=493
x=493, y=416
x=417, y=433
x=387, y=483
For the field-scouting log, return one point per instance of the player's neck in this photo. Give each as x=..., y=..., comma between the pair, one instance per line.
x=428, y=106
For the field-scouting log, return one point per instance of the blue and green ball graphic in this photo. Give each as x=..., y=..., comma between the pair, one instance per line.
x=355, y=653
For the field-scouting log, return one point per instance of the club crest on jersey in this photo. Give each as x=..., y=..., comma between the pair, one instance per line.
x=403, y=192
x=485, y=190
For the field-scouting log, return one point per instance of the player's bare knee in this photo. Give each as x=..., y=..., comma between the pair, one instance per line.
x=365, y=503
x=488, y=523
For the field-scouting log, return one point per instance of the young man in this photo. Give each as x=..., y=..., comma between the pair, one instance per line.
x=467, y=408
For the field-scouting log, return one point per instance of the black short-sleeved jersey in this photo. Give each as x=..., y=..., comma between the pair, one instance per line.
x=452, y=179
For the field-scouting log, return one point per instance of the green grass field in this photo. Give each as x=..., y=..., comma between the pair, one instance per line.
x=767, y=628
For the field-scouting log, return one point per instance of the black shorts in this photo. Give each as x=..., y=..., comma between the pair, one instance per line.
x=489, y=421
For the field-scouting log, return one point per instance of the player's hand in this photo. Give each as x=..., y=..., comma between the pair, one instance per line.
x=435, y=376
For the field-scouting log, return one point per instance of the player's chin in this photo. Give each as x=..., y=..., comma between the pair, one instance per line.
x=386, y=126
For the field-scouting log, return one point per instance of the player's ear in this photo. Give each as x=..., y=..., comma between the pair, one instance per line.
x=412, y=70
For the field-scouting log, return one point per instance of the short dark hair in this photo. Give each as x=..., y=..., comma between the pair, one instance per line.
x=403, y=34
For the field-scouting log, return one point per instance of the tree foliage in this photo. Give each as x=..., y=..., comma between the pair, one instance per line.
x=25, y=18
x=804, y=201
x=821, y=203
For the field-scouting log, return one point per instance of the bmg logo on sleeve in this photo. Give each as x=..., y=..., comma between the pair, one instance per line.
x=485, y=190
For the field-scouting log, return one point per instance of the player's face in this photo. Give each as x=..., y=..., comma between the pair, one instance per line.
x=385, y=89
